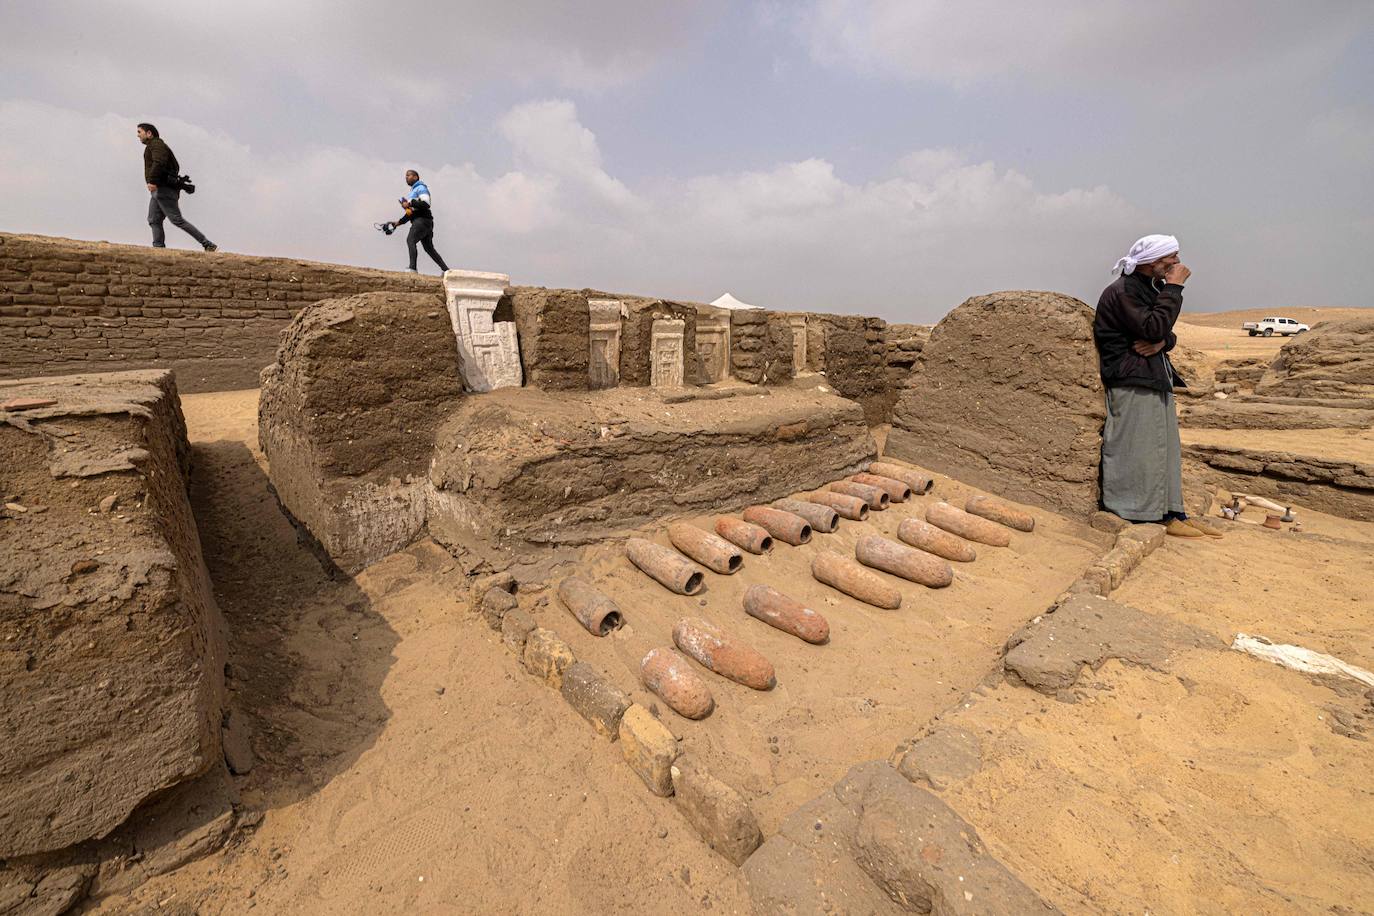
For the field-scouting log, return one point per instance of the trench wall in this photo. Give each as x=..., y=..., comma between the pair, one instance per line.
x=71, y=306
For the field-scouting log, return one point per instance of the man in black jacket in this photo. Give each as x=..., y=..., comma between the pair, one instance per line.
x=162, y=174
x=1142, y=468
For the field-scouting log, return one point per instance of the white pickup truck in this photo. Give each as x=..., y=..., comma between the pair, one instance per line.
x=1271, y=326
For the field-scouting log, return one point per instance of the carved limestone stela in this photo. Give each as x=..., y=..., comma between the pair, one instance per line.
x=798, y=323
x=666, y=352
x=488, y=350
x=713, y=346
x=603, y=364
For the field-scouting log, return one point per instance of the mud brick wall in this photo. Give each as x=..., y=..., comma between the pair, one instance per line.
x=71, y=306
x=553, y=325
x=760, y=346
x=854, y=353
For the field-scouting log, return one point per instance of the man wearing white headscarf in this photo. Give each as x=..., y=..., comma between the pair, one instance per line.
x=1142, y=469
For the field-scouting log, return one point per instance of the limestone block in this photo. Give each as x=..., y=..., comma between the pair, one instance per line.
x=495, y=605
x=713, y=347
x=649, y=748
x=516, y=626
x=1099, y=578
x=547, y=656
x=1151, y=535
x=1118, y=564
x=1109, y=522
x=798, y=323
x=717, y=812
x=603, y=366
x=488, y=350
x=595, y=698
x=666, y=353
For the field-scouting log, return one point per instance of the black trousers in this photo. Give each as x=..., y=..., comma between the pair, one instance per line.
x=422, y=231
x=163, y=203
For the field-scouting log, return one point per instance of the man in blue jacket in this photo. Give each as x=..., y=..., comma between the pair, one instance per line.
x=1142, y=468
x=421, y=218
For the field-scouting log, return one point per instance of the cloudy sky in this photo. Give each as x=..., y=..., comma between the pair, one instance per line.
x=891, y=157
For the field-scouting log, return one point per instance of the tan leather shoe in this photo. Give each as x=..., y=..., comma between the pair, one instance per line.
x=1181, y=529
x=1206, y=527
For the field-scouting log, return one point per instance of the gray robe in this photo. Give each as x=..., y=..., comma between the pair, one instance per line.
x=1142, y=468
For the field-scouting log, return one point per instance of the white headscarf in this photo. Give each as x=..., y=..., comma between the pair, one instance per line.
x=1145, y=251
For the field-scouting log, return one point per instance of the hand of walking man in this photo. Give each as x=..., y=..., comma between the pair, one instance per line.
x=152, y=188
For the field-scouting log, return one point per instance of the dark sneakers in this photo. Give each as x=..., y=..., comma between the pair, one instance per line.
x=210, y=246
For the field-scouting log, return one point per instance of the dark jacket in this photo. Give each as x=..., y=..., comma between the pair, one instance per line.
x=160, y=164
x=1135, y=307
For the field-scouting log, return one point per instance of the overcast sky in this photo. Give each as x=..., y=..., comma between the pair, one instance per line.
x=890, y=157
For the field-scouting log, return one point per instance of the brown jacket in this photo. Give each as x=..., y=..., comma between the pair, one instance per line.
x=160, y=165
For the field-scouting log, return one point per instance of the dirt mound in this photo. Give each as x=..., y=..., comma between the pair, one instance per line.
x=1196, y=369
x=1334, y=359
x=1007, y=396
x=112, y=681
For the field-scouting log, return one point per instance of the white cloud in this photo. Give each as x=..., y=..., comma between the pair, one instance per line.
x=797, y=235
x=1144, y=48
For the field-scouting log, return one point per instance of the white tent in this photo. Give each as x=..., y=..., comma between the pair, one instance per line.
x=728, y=301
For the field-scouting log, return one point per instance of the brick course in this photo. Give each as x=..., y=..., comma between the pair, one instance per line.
x=71, y=306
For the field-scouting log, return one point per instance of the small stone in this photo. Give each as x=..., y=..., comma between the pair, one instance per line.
x=649, y=748
x=515, y=629
x=84, y=566
x=15, y=507
x=595, y=698
x=495, y=605
x=503, y=581
x=1109, y=522
x=1099, y=578
x=1118, y=564
x=108, y=503
x=717, y=812
x=439, y=691
x=546, y=655
x=238, y=750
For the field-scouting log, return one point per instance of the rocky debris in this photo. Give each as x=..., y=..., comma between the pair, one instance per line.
x=718, y=813
x=109, y=503
x=594, y=697
x=947, y=755
x=1334, y=359
x=876, y=843
x=760, y=347
x=1086, y=630
x=133, y=637
x=649, y=748
x=1025, y=421
x=1334, y=485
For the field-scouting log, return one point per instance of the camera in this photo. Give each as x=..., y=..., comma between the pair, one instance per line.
x=184, y=183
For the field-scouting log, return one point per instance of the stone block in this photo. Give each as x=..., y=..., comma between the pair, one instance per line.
x=946, y=756
x=718, y=813
x=595, y=698
x=111, y=689
x=516, y=627
x=1099, y=578
x=666, y=355
x=1149, y=535
x=488, y=350
x=547, y=656
x=1109, y=522
x=1118, y=563
x=649, y=748
x=495, y=605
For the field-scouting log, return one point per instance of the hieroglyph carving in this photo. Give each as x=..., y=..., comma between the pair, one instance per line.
x=488, y=350
x=666, y=352
x=603, y=365
x=798, y=323
x=713, y=346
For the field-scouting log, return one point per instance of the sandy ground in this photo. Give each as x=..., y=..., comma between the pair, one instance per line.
x=1227, y=784
x=405, y=764
x=882, y=674
x=1219, y=335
